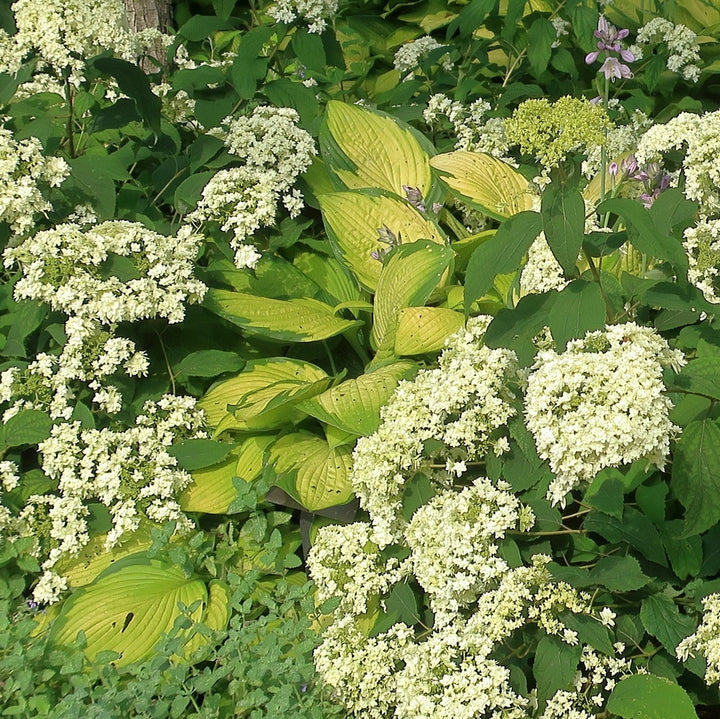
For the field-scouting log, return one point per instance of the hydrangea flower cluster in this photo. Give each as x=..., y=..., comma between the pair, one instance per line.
x=551, y=131
x=273, y=151
x=461, y=404
x=409, y=56
x=601, y=403
x=129, y=471
x=315, y=12
x=705, y=640
x=542, y=272
x=679, y=41
x=702, y=245
x=24, y=169
x=701, y=164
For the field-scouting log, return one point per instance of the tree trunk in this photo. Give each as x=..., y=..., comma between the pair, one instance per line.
x=143, y=14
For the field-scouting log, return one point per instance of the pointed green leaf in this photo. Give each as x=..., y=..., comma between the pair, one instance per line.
x=590, y=631
x=563, y=213
x=661, y=618
x=127, y=609
x=421, y=330
x=29, y=426
x=485, y=183
x=409, y=276
x=366, y=149
x=619, y=574
x=296, y=320
x=696, y=475
x=209, y=363
x=352, y=221
x=354, y=405
x=554, y=666
x=541, y=36
x=646, y=696
x=501, y=254
x=577, y=309
x=197, y=453
x=701, y=376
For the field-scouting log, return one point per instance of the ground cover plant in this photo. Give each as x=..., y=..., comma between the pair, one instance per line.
x=360, y=359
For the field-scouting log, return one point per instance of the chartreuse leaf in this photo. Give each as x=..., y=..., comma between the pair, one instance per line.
x=354, y=405
x=409, y=276
x=661, y=618
x=257, y=375
x=128, y=608
x=563, y=213
x=646, y=696
x=425, y=329
x=352, y=220
x=312, y=472
x=366, y=149
x=295, y=320
x=501, y=254
x=696, y=475
x=484, y=182
x=215, y=617
x=212, y=490
x=330, y=275
x=554, y=666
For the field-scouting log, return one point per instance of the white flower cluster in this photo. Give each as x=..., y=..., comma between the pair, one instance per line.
x=23, y=170
x=62, y=34
x=315, y=12
x=177, y=105
x=542, y=272
x=129, y=471
x=273, y=151
x=461, y=404
x=411, y=54
x=601, y=403
x=678, y=40
x=702, y=245
x=451, y=538
x=701, y=165
x=705, y=640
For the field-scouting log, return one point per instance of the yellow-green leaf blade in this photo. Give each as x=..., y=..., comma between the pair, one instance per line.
x=424, y=329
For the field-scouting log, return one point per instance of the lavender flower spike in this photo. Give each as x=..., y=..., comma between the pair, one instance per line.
x=609, y=47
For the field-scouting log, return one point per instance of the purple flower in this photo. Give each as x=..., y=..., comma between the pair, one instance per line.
x=612, y=68
x=609, y=47
x=414, y=197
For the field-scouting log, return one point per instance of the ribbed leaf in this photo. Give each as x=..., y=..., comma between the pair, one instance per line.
x=409, y=276
x=296, y=320
x=354, y=405
x=485, y=183
x=312, y=472
x=128, y=609
x=215, y=617
x=352, y=220
x=366, y=149
x=425, y=329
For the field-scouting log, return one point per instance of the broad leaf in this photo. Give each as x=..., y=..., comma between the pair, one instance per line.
x=563, y=213
x=577, y=309
x=661, y=618
x=485, y=183
x=646, y=696
x=296, y=320
x=209, y=363
x=701, y=376
x=366, y=149
x=619, y=574
x=554, y=666
x=196, y=453
x=422, y=330
x=29, y=426
x=352, y=220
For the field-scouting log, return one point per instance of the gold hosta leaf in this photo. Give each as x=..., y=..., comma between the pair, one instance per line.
x=212, y=490
x=215, y=617
x=592, y=191
x=485, y=183
x=425, y=329
x=408, y=278
x=353, y=219
x=128, y=608
x=311, y=471
x=257, y=375
x=381, y=151
x=295, y=320
x=354, y=405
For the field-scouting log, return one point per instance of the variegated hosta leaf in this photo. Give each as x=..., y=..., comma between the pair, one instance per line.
x=425, y=329
x=485, y=183
x=296, y=320
x=352, y=220
x=311, y=471
x=354, y=405
x=366, y=149
x=258, y=376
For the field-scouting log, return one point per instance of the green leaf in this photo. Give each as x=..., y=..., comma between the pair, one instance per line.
x=701, y=376
x=590, y=631
x=128, y=608
x=541, y=36
x=295, y=320
x=606, y=494
x=671, y=210
x=402, y=601
x=197, y=453
x=646, y=696
x=310, y=50
x=619, y=574
x=209, y=363
x=408, y=278
x=366, y=149
x=563, y=214
x=189, y=191
x=354, y=405
x=29, y=426
x=554, y=666
x=578, y=308
x=661, y=618
x=223, y=8
x=695, y=477
x=91, y=178
x=685, y=553
x=501, y=254
x=471, y=17
x=199, y=27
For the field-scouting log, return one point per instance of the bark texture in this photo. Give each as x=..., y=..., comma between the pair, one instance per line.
x=143, y=14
